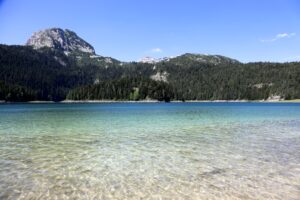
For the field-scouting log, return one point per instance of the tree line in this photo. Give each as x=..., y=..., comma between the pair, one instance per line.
x=27, y=74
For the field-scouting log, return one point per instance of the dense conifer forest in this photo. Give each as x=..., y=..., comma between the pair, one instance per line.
x=27, y=74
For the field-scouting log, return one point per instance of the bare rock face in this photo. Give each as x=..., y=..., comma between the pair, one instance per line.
x=160, y=76
x=56, y=38
x=151, y=60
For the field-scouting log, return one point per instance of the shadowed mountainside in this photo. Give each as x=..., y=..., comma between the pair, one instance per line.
x=57, y=64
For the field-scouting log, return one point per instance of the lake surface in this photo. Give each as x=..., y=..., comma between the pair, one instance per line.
x=150, y=151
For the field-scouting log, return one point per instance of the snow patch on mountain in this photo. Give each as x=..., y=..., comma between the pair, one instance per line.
x=151, y=60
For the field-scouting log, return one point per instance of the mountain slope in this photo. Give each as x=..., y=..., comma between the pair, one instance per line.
x=204, y=59
x=64, y=40
x=53, y=67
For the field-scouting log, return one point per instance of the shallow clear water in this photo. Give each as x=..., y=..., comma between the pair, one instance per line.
x=150, y=151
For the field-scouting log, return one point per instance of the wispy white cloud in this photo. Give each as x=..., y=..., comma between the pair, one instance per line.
x=156, y=50
x=279, y=37
x=293, y=59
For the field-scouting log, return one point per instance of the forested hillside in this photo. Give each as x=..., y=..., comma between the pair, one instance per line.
x=28, y=73
x=134, y=89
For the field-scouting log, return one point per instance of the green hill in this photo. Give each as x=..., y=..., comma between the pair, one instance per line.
x=45, y=72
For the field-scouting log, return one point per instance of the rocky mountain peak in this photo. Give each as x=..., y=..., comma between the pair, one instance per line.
x=56, y=38
x=151, y=60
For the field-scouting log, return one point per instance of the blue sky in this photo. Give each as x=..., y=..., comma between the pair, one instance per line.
x=247, y=30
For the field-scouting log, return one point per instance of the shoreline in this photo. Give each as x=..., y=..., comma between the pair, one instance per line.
x=153, y=101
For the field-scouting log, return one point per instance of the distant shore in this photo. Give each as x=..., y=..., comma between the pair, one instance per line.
x=156, y=101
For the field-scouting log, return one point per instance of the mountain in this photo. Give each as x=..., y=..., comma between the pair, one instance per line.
x=56, y=65
x=68, y=42
x=190, y=57
x=204, y=59
x=59, y=39
x=151, y=60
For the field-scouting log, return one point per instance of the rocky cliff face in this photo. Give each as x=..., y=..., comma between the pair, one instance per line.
x=60, y=39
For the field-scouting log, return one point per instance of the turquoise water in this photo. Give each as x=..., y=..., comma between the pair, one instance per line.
x=150, y=151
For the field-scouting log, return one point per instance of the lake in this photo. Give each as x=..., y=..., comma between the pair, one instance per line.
x=150, y=151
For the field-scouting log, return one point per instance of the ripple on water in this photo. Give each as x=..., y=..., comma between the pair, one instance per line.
x=148, y=156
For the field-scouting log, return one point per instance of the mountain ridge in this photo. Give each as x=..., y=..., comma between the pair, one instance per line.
x=54, y=67
x=69, y=42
